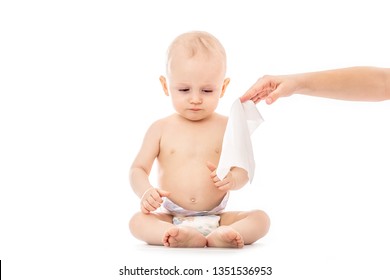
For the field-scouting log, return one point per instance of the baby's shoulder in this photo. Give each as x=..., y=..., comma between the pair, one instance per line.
x=220, y=119
x=159, y=125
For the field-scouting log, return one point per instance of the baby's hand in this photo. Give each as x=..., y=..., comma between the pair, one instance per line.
x=228, y=183
x=152, y=199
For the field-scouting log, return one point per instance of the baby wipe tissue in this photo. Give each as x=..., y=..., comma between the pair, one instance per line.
x=237, y=148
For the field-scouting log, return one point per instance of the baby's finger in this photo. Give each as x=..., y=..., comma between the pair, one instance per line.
x=211, y=166
x=162, y=193
x=215, y=179
x=222, y=183
x=153, y=202
x=226, y=187
x=156, y=196
x=144, y=210
x=147, y=206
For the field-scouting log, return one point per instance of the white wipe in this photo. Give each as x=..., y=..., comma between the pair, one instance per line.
x=237, y=148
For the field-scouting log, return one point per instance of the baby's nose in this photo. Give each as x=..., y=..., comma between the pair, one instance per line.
x=196, y=98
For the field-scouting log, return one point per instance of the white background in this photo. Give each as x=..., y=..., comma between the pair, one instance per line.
x=79, y=87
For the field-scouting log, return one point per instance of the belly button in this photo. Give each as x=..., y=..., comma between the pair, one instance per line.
x=193, y=200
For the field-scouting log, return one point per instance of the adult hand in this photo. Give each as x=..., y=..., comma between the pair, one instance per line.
x=270, y=88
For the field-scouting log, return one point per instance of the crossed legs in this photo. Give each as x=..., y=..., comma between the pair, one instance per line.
x=235, y=230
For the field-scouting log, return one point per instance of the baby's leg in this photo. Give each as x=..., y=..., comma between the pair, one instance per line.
x=184, y=237
x=157, y=229
x=225, y=237
x=150, y=227
x=239, y=228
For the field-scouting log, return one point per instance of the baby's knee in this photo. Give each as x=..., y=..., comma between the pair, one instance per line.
x=262, y=219
x=135, y=222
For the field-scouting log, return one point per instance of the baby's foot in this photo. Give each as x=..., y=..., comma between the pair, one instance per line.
x=225, y=237
x=184, y=237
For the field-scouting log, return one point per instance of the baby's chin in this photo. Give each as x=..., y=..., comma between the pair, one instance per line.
x=195, y=117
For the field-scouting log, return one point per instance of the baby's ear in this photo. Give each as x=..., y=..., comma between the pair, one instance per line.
x=164, y=85
x=224, y=86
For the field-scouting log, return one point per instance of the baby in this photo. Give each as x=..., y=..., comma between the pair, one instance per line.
x=187, y=146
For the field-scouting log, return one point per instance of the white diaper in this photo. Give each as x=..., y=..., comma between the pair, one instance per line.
x=204, y=224
x=203, y=221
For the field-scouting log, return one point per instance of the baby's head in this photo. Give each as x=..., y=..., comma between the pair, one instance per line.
x=196, y=68
x=198, y=44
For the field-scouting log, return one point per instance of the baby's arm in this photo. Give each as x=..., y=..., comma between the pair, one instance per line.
x=234, y=180
x=141, y=167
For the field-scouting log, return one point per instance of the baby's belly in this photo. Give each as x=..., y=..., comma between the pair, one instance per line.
x=191, y=186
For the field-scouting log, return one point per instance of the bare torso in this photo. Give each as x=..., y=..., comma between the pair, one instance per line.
x=185, y=148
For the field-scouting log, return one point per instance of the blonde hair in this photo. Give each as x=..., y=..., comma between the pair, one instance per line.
x=194, y=43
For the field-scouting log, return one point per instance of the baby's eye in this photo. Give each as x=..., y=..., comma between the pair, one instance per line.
x=184, y=89
x=207, y=90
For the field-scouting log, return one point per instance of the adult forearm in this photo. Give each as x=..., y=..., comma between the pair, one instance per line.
x=355, y=83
